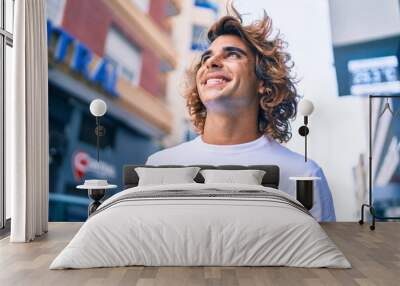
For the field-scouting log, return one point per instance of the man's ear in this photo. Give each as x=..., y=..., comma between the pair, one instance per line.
x=261, y=87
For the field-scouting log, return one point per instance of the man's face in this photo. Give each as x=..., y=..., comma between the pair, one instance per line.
x=226, y=79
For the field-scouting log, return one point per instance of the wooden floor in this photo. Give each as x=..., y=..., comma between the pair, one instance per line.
x=374, y=255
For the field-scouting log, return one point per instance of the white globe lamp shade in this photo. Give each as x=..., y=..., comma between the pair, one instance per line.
x=306, y=107
x=98, y=107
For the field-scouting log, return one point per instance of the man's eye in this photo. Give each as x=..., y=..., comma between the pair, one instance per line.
x=233, y=55
x=204, y=59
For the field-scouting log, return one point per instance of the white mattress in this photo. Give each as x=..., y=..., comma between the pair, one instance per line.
x=203, y=231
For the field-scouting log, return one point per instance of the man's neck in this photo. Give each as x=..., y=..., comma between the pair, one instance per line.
x=220, y=129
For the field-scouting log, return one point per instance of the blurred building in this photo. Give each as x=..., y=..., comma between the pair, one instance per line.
x=120, y=51
x=190, y=39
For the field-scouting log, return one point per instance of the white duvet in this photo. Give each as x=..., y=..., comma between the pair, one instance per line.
x=200, y=231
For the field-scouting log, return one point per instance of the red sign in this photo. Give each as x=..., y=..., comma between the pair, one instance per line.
x=82, y=164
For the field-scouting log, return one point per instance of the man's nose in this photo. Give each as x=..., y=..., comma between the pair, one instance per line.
x=214, y=62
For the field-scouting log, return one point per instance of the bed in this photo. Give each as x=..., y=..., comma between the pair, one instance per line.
x=201, y=224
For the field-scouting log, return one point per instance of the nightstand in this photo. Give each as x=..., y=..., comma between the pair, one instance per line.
x=96, y=191
x=305, y=190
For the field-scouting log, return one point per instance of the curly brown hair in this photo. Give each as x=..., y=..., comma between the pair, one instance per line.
x=278, y=103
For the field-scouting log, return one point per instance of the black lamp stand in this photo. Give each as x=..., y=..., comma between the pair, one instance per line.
x=97, y=194
x=99, y=131
x=370, y=203
x=304, y=131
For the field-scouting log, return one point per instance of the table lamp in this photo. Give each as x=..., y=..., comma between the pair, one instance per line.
x=97, y=188
x=305, y=107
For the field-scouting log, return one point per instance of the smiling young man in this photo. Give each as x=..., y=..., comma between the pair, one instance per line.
x=241, y=97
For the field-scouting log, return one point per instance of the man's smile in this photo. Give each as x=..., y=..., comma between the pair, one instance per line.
x=215, y=79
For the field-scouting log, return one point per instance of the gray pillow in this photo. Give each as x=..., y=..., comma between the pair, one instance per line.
x=248, y=177
x=163, y=176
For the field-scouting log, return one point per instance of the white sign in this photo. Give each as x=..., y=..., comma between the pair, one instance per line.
x=374, y=76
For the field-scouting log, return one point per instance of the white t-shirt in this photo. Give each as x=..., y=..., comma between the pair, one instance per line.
x=262, y=151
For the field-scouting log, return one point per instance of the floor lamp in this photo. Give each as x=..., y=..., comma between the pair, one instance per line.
x=370, y=203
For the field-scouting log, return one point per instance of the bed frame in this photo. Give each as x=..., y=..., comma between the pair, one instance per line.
x=270, y=179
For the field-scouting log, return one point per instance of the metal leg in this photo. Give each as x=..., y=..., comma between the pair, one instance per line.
x=96, y=195
x=93, y=207
x=361, y=221
x=372, y=211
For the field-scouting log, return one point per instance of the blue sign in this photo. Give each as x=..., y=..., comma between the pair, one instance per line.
x=207, y=4
x=104, y=73
x=81, y=59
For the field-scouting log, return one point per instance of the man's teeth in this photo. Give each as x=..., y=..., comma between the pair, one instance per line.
x=215, y=81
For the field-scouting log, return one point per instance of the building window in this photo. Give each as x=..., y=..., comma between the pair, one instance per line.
x=55, y=11
x=143, y=5
x=124, y=55
x=199, y=40
x=6, y=43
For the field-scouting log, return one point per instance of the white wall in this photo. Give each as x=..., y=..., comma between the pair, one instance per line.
x=360, y=20
x=338, y=126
